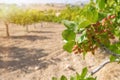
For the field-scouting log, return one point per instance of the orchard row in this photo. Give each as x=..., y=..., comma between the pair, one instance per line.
x=25, y=17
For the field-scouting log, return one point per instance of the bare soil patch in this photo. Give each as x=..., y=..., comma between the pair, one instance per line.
x=38, y=55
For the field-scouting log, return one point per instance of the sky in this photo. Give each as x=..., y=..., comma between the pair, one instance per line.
x=40, y=1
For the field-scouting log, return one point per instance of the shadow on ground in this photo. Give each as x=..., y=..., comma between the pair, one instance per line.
x=41, y=32
x=29, y=37
x=14, y=58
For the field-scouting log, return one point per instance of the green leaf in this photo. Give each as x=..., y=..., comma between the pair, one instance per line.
x=54, y=78
x=71, y=25
x=82, y=37
x=78, y=77
x=101, y=15
x=117, y=31
x=68, y=35
x=68, y=46
x=84, y=73
x=112, y=58
x=90, y=78
x=72, y=78
x=84, y=54
x=100, y=4
x=83, y=23
x=63, y=78
x=91, y=14
x=115, y=48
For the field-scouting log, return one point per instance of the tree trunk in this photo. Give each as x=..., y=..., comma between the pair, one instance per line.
x=41, y=24
x=27, y=28
x=34, y=26
x=7, y=29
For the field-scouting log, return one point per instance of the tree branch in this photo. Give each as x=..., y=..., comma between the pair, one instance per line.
x=101, y=66
x=103, y=47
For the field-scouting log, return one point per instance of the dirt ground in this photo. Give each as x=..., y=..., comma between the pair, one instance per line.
x=38, y=55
